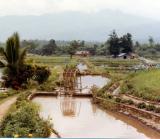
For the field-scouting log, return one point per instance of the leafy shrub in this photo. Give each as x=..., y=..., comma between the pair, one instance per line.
x=141, y=105
x=123, y=101
x=47, y=86
x=118, y=100
x=41, y=74
x=25, y=121
x=22, y=98
x=109, y=96
x=150, y=107
x=94, y=91
x=25, y=73
x=157, y=110
x=3, y=95
x=130, y=102
x=157, y=98
x=8, y=93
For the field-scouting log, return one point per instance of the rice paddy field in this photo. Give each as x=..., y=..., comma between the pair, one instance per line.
x=112, y=62
x=50, y=61
x=144, y=84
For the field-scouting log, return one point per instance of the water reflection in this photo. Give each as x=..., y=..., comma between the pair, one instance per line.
x=69, y=107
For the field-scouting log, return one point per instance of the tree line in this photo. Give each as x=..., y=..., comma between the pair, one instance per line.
x=114, y=45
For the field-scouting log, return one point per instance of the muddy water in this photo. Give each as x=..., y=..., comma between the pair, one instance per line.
x=88, y=81
x=78, y=117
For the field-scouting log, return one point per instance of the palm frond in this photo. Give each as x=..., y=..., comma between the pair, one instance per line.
x=10, y=49
x=16, y=46
x=3, y=53
x=22, y=56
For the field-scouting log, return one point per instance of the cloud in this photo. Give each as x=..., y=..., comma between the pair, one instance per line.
x=146, y=8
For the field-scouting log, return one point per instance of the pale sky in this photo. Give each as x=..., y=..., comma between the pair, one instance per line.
x=146, y=8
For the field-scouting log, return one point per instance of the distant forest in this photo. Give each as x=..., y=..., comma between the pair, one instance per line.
x=114, y=45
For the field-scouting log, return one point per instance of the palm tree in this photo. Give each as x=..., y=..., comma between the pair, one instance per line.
x=13, y=57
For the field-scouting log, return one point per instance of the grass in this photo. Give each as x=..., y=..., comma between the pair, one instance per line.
x=113, y=62
x=7, y=95
x=50, y=61
x=5, y=99
x=144, y=84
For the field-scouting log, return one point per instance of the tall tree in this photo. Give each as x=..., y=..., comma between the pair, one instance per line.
x=50, y=48
x=114, y=45
x=126, y=43
x=13, y=56
x=151, y=41
x=73, y=47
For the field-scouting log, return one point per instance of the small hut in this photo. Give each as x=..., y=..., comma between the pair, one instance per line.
x=82, y=53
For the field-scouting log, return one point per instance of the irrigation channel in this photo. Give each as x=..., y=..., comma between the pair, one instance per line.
x=79, y=117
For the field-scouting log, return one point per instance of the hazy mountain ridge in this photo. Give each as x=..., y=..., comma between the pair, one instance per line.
x=78, y=25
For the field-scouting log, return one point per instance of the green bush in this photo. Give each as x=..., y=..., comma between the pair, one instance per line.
x=157, y=110
x=22, y=98
x=123, y=101
x=141, y=105
x=8, y=93
x=41, y=74
x=47, y=86
x=118, y=100
x=109, y=96
x=25, y=121
x=150, y=107
x=94, y=91
x=25, y=73
x=3, y=95
x=130, y=102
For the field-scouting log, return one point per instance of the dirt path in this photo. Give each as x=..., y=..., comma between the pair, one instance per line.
x=6, y=105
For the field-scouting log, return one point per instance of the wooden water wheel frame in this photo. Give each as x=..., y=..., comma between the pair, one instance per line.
x=70, y=80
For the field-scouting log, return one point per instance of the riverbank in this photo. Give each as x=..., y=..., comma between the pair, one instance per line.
x=149, y=119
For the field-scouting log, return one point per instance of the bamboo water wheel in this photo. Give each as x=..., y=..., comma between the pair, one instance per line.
x=70, y=80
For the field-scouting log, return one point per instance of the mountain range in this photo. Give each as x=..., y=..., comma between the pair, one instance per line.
x=79, y=26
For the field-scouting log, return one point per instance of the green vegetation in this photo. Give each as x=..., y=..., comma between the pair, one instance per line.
x=13, y=56
x=141, y=105
x=73, y=47
x=17, y=72
x=23, y=120
x=44, y=73
x=143, y=84
x=50, y=61
x=41, y=74
x=112, y=62
x=56, y=66
x=8, y=93
x=117, y=45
